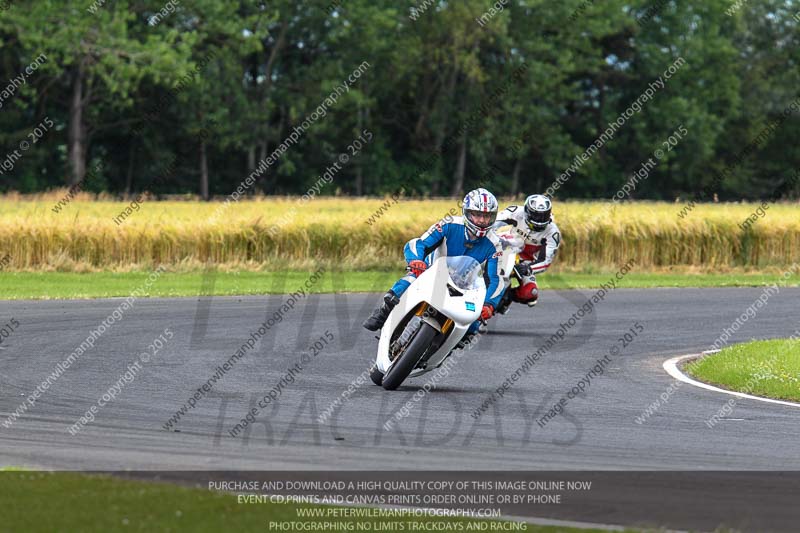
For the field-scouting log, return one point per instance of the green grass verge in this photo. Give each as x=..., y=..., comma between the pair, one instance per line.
x=762, y=368
x=45, y=502
x=66, y=285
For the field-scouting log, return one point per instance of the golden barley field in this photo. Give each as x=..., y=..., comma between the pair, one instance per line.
x=334, y=232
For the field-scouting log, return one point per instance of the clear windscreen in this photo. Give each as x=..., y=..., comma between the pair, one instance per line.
x=465, y=272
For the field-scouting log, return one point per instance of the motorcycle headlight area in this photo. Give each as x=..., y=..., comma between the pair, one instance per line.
x=465, y=272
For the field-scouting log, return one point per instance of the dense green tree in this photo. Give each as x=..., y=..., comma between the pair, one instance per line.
x=99, y=57
x=194, y=97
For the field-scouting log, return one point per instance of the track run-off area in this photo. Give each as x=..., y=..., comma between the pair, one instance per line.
x=310, y=408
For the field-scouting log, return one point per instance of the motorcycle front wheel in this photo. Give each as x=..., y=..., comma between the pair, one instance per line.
x=407, y=360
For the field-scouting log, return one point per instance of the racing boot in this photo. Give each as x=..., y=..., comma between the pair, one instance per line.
x=381, y=313
x=527, y=294
x=534, y=298
x=466, y=341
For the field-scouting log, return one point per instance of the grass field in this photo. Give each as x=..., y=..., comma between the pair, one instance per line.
x=367, y=234
x=71, y=285
x=46, y=502
x=761, y=368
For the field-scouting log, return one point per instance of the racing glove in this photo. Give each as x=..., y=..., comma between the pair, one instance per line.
x=523, y=269
x=416, y=267
x=487, y=312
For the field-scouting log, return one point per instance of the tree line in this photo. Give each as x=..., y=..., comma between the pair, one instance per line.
x=514, y=96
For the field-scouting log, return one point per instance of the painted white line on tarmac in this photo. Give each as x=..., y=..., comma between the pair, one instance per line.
x=671, y=366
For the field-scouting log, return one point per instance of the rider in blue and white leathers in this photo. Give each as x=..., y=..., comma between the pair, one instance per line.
x=469, y=235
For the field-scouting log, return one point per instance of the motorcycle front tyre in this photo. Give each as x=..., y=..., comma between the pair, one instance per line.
x=406, y=361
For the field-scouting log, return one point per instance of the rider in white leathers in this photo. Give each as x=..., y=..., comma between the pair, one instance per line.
x=534, y=223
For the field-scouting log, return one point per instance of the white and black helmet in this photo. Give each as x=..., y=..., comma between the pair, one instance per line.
x=480, y=211
x=538, y=211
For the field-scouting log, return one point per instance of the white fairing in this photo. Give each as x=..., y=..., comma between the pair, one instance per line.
x=431, y=287
x=512, y=245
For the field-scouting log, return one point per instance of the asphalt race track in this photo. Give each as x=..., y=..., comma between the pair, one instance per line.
x=597, y=431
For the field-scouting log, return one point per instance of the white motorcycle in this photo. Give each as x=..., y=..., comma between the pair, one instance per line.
x=509, y=265
x=432, y=316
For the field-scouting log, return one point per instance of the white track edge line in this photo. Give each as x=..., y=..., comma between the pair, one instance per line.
x=671, y=367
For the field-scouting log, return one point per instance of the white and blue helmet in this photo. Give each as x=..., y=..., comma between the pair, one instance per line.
x=480, y=211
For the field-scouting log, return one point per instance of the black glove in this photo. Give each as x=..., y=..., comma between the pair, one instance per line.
x=523, y=269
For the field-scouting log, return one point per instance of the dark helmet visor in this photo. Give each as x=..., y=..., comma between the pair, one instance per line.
x=540, y=217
